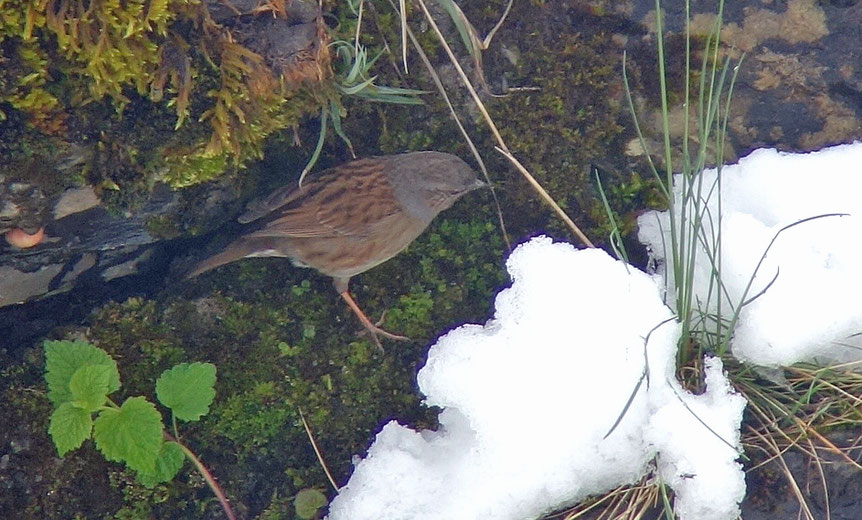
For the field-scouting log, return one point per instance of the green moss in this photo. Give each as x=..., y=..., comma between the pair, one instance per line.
x=163, y=227
x=152, y=90
x=253, y=420
x=135, y=333
x=139, y=500
x=187, y=170
x=570, y=120
x=444, y=280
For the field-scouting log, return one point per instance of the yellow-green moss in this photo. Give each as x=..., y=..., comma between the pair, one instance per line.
x=571, y=119
x=156, y=88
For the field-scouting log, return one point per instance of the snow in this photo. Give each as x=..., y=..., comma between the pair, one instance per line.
x=529, y=398
x=812, y=309
x=534, y=402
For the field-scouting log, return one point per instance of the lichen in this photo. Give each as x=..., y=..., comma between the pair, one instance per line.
x=803, y=21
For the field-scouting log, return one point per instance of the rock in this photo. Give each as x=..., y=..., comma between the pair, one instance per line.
x=75, y=200
x=19, y=286
x=88, y=243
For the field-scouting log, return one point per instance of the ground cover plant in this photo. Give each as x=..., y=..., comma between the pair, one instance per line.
x=80, y=379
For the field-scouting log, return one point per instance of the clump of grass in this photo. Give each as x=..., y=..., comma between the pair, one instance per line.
x=693, y=228
x=799, y=403
x=797, y=411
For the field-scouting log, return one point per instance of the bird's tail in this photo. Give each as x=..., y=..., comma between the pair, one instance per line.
x=232, y=253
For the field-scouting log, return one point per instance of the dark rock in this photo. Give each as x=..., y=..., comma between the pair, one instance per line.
x=87, y=243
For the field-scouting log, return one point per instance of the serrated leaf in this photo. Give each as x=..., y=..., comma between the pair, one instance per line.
x=169, y=462
x=132, y=434
x=70, y=427
x=308, y=502
x=187, y=389
x=63, y=358
x=89, y=386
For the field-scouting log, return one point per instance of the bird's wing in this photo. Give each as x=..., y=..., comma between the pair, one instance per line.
x=289, y=227
x=266, y=205
x=341, y=202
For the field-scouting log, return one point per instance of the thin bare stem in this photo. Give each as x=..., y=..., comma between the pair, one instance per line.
x=208, y=477
x=317, y=451
x=544, y=194
x=800, y=497
x=439, y=84
x=501, y=145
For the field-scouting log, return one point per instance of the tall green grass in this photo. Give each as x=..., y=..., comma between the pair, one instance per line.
x=790, y=408
x=695, y=237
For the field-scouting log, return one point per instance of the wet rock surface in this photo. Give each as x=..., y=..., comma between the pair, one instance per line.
x=88, y=244
x=800, y=84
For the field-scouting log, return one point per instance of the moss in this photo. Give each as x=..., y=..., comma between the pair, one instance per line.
x=140, y=502
x=163, y=226
x=253, y=419
x=134, y=332
x=283, y=343
x=24, y=72
x=187, y=170
x=152, y=90
x=570, y=120
x=444, y=280
x=627, y=195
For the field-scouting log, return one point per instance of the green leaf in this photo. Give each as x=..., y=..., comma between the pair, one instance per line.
x=70, y=427
x=89, y=386
x=63, y=358
x=353, y=89
x=465, y=28
x=308, y=502
x=132, y=434
x=170, y=460
x=187, y=389
x=334, y=111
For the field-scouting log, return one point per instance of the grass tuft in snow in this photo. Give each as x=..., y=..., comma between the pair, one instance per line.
x=790, y=408
x=705, y=323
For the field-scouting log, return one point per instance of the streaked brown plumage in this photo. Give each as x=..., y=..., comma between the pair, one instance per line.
x=352, y=217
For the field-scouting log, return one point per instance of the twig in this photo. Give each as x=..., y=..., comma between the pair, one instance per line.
x=538, y=187
x=317, y=451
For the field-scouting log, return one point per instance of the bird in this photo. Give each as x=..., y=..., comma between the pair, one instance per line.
x=351, y=217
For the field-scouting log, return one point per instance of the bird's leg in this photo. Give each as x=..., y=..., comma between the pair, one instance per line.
x=370, y=327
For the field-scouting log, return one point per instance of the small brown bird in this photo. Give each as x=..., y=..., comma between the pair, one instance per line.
x=352, y=217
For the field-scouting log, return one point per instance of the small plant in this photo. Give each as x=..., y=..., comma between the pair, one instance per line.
x=308, y=503
x=694, y=235
x=354, y=79
x=80, y=377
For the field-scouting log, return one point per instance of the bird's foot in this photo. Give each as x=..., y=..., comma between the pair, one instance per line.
x=373, y=329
